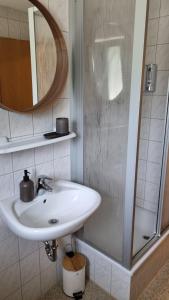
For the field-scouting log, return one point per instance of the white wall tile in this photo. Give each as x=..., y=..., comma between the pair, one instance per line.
x=10, y=248
x=140, y=191
x=139, y=202
x=4, y=123
x=164, y=11
x=42, y=119
x=153, y=172
x=59, y=10
x=45, y=263
x=48, y=279
x=142, y=165
x=120, y=285
x=23, y=159
x=62, y=168
x=21, y=124
x=162, y=83
x=162, y=57
x=27, y=247
x=3, y=27
x=89, y=253
x=155, y=151
x=14, y=29
x=158, y=110
x=24, y=31
x=62, y=149
x=152, y=32
x=150, y=206
x=154, y=9
x=43, y=154
x=150, y=55
x=145, y=128
x=163, y=34
x=5, y=233
x=157, y=130
x=23, y=17
x=32, y=290
x=29, y=267
x=143, y=149
x=146, y=107
x=3, y=11
x=45, y=169
x=102, y=272
x=151, y=192
x=14, y=14
x=6, y=186
x=66, y=93
x=10, y=281
x=5, y=164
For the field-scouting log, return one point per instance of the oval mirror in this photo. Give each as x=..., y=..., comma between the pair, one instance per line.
x=33, y=55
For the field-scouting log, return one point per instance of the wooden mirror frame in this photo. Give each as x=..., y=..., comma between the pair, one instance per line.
x=62, y=60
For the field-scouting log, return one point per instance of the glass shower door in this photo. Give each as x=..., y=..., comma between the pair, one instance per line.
x=152, y=136
x=108, y=34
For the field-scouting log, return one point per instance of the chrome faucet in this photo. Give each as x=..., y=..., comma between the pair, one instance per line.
x=42, y=186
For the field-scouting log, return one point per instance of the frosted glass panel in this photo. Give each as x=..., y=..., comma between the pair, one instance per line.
x=108, y=34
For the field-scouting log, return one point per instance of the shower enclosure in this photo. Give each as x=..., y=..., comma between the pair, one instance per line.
x=123, y=143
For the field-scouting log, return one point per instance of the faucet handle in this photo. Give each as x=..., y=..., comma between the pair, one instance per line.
x=44, y=177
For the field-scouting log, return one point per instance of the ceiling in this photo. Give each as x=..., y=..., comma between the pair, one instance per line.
x=16, y=4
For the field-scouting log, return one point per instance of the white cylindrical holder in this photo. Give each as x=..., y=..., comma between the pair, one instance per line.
x=74, y=274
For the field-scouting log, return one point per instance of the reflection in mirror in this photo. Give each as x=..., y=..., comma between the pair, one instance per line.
x=107, y=56
x=28, y=56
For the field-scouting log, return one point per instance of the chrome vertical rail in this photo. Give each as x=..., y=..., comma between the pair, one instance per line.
x=77, y=40
x=136, y=84
x=164, y=168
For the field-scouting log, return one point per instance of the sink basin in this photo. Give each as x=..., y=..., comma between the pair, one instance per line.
x=52, y=215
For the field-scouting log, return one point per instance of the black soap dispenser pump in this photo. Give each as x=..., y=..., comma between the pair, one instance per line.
x=26, y=188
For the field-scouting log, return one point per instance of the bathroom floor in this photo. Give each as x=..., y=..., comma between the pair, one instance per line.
x=158, y=289
x=92, y=292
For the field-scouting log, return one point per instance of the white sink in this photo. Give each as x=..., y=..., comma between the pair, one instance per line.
x=67, y=208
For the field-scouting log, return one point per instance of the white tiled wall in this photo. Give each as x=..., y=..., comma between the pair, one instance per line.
x=13, y=24
x=154, y=108
x=25, y=271
x=106, y=273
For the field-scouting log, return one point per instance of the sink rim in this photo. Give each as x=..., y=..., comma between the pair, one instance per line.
x=51, y=232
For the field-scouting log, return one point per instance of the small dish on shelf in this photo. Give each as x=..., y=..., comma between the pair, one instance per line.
x=54, y=135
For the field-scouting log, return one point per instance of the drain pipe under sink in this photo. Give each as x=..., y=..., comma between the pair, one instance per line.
x=51, y=250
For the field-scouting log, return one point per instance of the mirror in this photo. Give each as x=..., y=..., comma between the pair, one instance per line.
x=33, y=55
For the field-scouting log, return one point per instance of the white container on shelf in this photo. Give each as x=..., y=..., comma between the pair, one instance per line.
x=74, y=274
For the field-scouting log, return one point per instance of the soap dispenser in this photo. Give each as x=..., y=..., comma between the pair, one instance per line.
x=26, y=188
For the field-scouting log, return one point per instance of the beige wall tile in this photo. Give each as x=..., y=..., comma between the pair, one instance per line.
x=152, y=32
x=162, y=83
x=163, y=35
x=31, y=290
x=29, y=267
x=150, y=55
x=164, y=11
x=154, y=9
x=15, y=296
x=10, y=281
